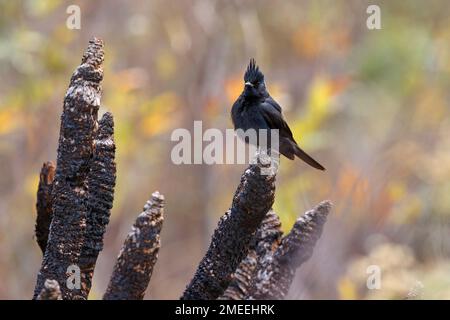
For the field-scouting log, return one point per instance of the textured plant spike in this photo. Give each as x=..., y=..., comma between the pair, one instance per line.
x=263, y=245
x=134, y=266
x=75, y=147
x=231, y=239
x=79, y=118
x=275, y=274
x=101, y=181
x=247, y=256
x=44, y=204
x=50, y=291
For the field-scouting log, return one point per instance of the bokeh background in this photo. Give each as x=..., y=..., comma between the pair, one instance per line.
x=372, y=105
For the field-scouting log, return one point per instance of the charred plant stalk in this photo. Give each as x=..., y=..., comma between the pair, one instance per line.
x=232, y=237
x=44, y=204
x=263, y=245
x=247, y=256
x=139, y=254
x=100, y=182
x=70, y=190
x=274, y=274
x=50, y=291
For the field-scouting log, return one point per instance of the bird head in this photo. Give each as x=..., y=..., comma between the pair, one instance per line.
x=254, y=86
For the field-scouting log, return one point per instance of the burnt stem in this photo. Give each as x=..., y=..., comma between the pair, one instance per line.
x=263, y=245
x=100, y=184
x=134, y=266
x=50, y=291
x=44, y=204
x=275, y=274
x=70, y=191
x=231, y=239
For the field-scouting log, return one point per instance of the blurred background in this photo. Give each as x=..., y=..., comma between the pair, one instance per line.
x=373, y=106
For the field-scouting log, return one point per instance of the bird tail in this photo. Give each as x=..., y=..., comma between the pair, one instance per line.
x=307, y=158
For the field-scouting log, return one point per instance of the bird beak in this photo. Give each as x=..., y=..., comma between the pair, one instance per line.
x=248, y=84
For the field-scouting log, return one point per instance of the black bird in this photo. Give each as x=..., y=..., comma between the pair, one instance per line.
x=255, y=109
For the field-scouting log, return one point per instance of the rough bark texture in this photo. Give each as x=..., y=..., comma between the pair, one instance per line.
x=275, y=273
x=100, y=186
x=50, y=291
x=69, y=193
x=139, y=254
x=44, y=204
x=263, y=245
x=231, y=239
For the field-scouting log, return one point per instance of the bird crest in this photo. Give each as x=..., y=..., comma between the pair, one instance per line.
x=253, y=75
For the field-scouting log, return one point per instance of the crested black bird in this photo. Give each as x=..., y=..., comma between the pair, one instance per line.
x=256, y=109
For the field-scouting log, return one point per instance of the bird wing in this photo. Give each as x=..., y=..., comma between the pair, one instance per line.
x=273, y=103
x=271, y=111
